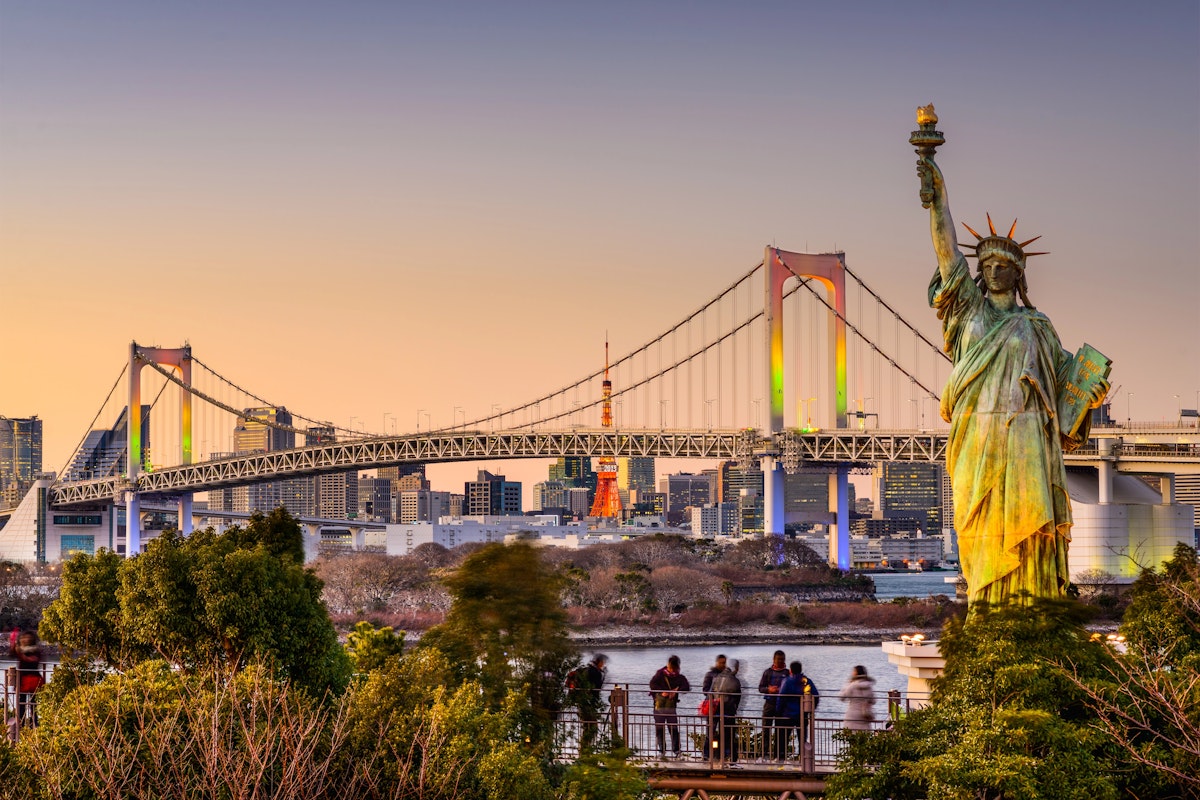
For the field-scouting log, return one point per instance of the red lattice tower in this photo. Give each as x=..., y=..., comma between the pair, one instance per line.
x=608, y=499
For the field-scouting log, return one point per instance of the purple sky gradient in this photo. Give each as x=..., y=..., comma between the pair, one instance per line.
x=335, y=202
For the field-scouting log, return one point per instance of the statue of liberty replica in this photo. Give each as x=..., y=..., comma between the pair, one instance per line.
x=1014, y=400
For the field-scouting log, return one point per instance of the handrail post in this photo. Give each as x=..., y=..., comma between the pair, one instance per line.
x=13, y=723
x=618, y=709
x=807, y=732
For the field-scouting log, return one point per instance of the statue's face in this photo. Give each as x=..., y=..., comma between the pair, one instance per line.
x=1000, y=275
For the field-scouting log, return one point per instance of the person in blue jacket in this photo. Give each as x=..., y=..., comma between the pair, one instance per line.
x=789, y=707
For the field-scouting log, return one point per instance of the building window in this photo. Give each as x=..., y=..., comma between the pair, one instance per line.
x=72, y=544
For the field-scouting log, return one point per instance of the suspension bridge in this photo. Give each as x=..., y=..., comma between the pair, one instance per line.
x=797, y=362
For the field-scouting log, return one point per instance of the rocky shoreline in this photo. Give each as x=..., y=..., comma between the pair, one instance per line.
x=761, y=633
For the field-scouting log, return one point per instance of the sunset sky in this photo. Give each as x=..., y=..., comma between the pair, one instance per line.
x=370, y=208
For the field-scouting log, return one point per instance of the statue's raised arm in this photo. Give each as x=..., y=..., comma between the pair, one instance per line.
x=933, y=190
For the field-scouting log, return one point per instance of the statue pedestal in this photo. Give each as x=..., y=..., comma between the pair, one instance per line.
x=921, y=663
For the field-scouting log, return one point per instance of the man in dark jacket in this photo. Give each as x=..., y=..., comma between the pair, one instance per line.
x=665, y=687
x=768, y=687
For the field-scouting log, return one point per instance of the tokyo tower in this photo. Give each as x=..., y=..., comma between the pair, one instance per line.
x=608, y=499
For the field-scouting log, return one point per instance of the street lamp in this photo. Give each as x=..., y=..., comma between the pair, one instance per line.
x=708, y=412
x=385, y=419
x=352, y=418
x=662, y=414
x=459, y=410
x=808, y=415
x=757, y=408
x=495, y=413
x=420, y=411
x=428, y=422
x=1128, y=409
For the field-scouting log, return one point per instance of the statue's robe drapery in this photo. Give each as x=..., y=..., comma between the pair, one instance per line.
x=1004, y=454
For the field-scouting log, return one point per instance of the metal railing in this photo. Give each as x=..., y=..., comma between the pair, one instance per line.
x=717, y=740
x=20, y=707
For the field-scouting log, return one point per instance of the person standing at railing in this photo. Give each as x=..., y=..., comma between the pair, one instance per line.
x=768, y=686
x=665, y=687
x=727, y=697
x=859, y=696
x=583, y=691
x=788, y=706
x=24, y=647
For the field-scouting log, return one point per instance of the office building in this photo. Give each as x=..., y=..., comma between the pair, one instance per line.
x=375, y=499
x=575, y=471
x=912, y=489
x=732, y=479
x=549, y=494
x=492, y=495
x=256, y=431
x=685, y=490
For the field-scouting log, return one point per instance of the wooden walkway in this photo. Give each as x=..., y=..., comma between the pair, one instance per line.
x=751, y=767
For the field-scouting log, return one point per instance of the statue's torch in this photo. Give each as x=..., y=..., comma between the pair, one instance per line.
x=926, y=139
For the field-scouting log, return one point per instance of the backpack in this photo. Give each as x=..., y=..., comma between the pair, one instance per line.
x=724, y=685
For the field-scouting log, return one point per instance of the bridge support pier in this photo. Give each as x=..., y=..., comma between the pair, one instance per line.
x=185, y=514
x=839, y=535
x=773, y=483
x=133, y=523
x=1106, y=471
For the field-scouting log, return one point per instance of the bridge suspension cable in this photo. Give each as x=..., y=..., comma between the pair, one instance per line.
x=253, y=396
x=849, y=325
x=621, y=361
x=75, y=450
x=187, y=387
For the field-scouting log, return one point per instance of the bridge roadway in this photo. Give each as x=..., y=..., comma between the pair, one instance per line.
x=1158, y=450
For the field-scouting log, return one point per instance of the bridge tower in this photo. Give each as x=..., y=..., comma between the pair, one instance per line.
x=830, y=270
x=179, y=358
x=608, y=498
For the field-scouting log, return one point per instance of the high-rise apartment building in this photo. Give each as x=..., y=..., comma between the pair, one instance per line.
x=492, y=495
x=20, y=452
x=423, y=506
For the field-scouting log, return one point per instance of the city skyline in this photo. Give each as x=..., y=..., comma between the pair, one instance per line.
x=365, y=195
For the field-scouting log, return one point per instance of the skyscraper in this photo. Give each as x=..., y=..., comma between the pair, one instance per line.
x=636, y=473
x=20, y=450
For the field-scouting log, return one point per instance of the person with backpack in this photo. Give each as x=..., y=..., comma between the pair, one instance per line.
x=665, y=688
x=727, y=697
x=788, y=705
x=583, y=691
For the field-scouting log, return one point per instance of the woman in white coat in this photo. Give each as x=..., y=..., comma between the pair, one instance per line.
x=859, y=697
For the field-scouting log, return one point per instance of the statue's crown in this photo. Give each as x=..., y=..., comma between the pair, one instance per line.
x=996, y=244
